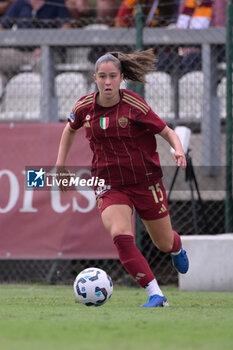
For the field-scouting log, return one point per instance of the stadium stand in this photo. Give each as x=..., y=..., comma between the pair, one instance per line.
x=191, y=95
x=158, y=93
x=69, y=88
x=22, y=97
x=221, y=92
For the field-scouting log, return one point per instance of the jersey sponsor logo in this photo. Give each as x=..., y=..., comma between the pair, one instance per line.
x=71, y=117
x=104, y=123
x=123, y=122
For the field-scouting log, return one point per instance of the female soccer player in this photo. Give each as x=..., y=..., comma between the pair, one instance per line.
x=121, y=129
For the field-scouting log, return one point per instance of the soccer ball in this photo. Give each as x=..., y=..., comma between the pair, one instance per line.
x=93, y=287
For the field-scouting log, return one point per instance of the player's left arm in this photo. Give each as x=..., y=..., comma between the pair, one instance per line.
x=173, y=139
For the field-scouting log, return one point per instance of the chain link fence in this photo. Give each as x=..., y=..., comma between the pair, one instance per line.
x=187, y=87
x=65, y=271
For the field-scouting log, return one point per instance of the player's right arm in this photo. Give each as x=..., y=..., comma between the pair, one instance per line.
x=75, y=121
x=66, y=142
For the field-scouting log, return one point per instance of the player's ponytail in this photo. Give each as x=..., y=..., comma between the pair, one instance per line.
x=134, y=65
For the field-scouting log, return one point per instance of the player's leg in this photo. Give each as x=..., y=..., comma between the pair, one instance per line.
x=168, y=241
x=117, y=219
x=151, y=205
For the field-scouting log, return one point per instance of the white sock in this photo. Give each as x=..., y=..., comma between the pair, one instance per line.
x=176, y=253
x=153, y=288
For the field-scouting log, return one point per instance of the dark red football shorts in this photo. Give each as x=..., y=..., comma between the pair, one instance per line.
x=150, y=201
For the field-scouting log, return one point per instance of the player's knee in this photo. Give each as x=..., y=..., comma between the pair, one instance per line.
x=117, y=230
x=165, y=247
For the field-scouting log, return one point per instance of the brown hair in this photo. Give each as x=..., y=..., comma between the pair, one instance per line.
x=134, y=66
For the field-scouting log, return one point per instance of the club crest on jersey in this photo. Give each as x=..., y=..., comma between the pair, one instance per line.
x=104, y=123
x=123, y=122
x=88, y=117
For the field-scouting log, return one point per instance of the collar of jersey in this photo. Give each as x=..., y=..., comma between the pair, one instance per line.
x=95, y=103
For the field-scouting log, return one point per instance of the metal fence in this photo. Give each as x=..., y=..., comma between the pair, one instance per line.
x=187, y=87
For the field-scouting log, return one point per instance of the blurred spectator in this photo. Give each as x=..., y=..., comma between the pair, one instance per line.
x=176, y=11
x=203, y=15
x=219, y=20
x=89, y=11
x=4, y=5
x=36, y=14
x=193, y=14
x=30, y=14
x=77, y=8
x=157, y=13
x=219, y=13
x=107, y=10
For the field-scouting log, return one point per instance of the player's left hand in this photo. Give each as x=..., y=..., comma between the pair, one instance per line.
x=180, y=159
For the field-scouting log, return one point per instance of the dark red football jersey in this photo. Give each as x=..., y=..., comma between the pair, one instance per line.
x=122, y=138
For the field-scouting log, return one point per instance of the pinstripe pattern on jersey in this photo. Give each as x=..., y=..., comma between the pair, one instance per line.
x=131, y=162
x=133, y=101
x=116, y=122
x=144, y=164
x=141, y=153
x=92, y=129
x=106, y=163
x=118, y=161
x=115, y=152
x=86, y=101
x=129, y=125
x=126, y=148
x=102, y=149
x=118, y=134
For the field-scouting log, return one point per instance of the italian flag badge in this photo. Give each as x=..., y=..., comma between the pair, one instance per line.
x=104, y=122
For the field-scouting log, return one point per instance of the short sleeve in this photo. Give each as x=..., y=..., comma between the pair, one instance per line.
x=153, y=122
x=80, y=109
x=74, y=120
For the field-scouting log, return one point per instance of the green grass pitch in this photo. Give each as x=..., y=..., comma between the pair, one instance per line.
x=47, y=317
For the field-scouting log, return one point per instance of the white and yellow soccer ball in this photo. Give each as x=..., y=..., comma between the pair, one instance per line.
x=93, y=287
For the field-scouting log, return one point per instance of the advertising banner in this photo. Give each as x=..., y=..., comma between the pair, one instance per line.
x=44, y=223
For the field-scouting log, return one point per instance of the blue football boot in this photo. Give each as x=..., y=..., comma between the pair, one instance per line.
x=155, y=301
x=180, y=261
